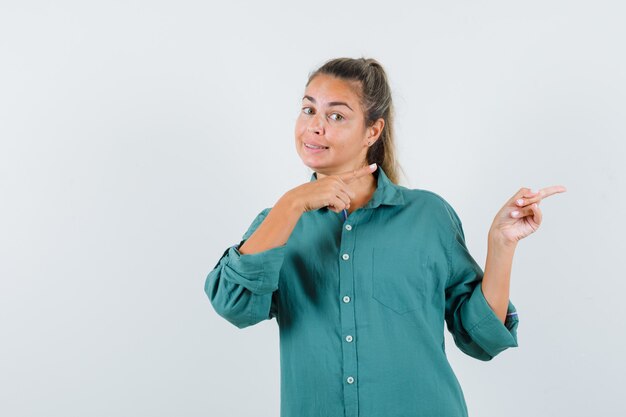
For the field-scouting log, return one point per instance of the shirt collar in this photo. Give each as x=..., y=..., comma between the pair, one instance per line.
x=386, y=192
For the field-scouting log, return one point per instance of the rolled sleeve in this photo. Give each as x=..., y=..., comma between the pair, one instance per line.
x=485, y=328
x=258, y=272
x=242, y=287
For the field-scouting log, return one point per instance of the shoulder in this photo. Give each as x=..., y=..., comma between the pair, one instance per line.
x=434, y=203
x=264, y=212
x=262, y=215
x=257, y=221
x=425, y=197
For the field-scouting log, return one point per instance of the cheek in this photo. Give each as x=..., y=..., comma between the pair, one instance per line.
x=299, y=128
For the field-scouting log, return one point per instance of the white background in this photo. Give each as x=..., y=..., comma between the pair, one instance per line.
x=139, y=139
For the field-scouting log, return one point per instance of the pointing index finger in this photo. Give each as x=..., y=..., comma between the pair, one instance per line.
x=548, y=191
x=348, y=177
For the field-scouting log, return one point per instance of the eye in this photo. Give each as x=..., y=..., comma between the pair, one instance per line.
x=305, y=110
x=339, y=117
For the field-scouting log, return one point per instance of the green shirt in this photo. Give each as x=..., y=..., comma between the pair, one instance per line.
x=361, y=305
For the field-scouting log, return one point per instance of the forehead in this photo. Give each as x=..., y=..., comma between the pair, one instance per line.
x=325, y=88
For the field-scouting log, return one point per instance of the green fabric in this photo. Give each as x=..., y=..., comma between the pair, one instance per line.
x=406, y=269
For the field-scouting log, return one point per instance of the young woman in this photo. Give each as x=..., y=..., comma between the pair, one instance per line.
x=361, y=273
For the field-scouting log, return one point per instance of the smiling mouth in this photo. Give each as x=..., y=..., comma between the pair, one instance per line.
x=306, y=145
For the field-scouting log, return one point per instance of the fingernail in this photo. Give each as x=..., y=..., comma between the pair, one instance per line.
x=520, y=202
x=514, y=213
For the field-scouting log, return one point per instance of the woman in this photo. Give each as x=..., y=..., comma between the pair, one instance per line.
x=361, y=273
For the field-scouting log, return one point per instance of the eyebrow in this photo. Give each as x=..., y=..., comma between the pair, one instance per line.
x=332, y=103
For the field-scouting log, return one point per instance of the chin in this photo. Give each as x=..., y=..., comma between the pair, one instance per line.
x=313, y=166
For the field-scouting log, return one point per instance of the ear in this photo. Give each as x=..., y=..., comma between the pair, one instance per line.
x=374, y=131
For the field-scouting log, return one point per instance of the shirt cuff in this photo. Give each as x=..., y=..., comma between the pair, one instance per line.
x=258, y=272
x=485, y=328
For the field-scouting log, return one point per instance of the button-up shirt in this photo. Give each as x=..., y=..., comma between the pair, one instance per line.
x=361, y=305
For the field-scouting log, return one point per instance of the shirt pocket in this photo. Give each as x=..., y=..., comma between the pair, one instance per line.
x=400, y=278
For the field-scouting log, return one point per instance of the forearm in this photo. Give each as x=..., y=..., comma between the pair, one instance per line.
x=276, y=228
x=497, y=278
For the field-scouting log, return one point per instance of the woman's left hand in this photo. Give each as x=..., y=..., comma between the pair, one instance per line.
x=520, y=216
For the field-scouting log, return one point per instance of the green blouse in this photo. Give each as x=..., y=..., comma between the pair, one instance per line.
x=361, y=304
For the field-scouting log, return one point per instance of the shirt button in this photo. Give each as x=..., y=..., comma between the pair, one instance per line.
x=348, y=227
x=349, y=338
x=350, y=380
x=345, y=256
x=346, y=299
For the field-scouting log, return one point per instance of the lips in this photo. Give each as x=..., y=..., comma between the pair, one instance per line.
x=313, y=151
x=314, y=146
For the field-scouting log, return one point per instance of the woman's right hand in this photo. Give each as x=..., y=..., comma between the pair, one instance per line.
x=332, y=191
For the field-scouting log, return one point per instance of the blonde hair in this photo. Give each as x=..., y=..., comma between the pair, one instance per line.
x=375, y=97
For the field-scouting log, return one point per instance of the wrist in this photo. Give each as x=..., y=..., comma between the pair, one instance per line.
x=290, y=203
x=500, y=245
x=496, y=241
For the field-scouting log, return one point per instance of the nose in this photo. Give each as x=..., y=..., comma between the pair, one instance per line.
x=316, y=126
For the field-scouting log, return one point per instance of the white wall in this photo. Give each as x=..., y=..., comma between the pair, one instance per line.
x=139, y=139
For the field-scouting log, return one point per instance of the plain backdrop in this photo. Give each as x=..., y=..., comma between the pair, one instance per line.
x=139, y=139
